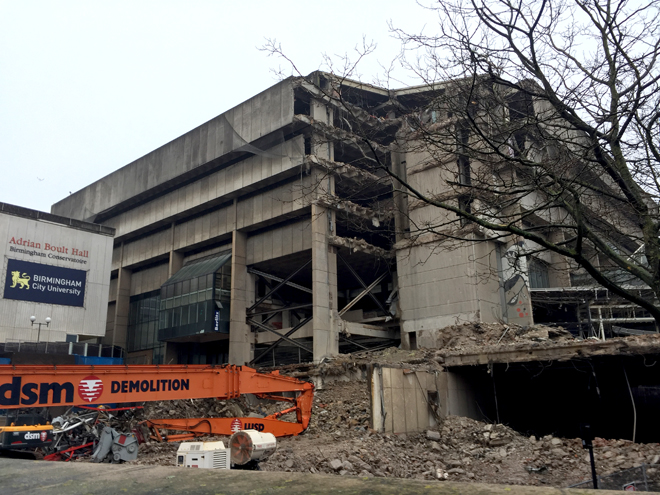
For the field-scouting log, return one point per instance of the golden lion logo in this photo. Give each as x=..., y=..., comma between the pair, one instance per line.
x=24, y=280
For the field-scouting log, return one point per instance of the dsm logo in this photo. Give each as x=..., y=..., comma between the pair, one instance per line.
x=17, y=279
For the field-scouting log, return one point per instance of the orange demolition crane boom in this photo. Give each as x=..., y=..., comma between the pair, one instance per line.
x=24, y=386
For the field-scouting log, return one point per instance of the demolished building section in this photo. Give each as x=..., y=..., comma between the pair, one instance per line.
x=275, y=234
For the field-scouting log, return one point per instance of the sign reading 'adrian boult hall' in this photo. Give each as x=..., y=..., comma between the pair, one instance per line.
x=35, y=282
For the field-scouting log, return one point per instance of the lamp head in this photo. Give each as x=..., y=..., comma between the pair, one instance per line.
x=48, y=320
x=33, y=319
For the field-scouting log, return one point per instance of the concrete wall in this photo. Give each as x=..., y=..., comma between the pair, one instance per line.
x=149, y=279
x=144, y=249
x=437, y=286
x=90, y=319
x=405, y=401
x=227, y=183
x=229, y=188
x=442, y=284
x=281, y=241
x=399, y=400
x=256, y=117
x=282, y=200
x=488, y=283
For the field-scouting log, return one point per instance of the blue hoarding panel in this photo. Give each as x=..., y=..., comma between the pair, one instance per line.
x=5, y=360
x=98, y=360
x=27, y=281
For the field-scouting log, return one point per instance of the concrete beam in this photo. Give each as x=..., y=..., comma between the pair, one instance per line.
x=354, y=328
x=333, y=133
x=344, y=169
x=361, y=245
x=330, y=201
x=540, y=352
x=364, y=117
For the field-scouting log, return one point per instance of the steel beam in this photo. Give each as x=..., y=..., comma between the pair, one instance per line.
x=367, y=290
x=284, y=308
x=278, y=279
x=283, y=337
x=300, y=324
x=278, y=286
x=352, y=342
x=359, y=279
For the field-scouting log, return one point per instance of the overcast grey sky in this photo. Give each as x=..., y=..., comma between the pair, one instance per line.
x=86, y=87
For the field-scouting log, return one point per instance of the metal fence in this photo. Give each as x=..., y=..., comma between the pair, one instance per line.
x=79, y=348
x=634, y=479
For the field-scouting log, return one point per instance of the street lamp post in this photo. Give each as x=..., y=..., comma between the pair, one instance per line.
x=33, y=319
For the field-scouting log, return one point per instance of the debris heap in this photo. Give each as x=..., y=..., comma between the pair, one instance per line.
x=461, y=449
x=340, y=442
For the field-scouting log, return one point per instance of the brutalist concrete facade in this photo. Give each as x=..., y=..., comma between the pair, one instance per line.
x=319, y=261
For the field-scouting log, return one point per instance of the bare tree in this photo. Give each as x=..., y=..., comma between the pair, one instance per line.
x=540, y=119
x=556, y=104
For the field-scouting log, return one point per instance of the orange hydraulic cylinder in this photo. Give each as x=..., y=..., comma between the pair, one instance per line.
x=220, y=426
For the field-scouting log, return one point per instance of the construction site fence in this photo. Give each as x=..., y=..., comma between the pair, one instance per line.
x=77, y=348
x=633, y=479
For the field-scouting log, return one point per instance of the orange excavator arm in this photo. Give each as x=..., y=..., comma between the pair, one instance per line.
x=79, y=385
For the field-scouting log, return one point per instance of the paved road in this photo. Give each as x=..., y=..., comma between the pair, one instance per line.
x=21, y=477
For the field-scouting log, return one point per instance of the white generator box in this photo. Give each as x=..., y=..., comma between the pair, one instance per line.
x=207, y=455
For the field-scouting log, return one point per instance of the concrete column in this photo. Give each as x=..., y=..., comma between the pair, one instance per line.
x=170, y=354
x=122, y=304
x=324, y=286
x=175, y=264
x=176, y=258
x=559, y=274
x=240, y=349
x=321, y=145
x=324, y=258
x=401, y=219
x=516, y=285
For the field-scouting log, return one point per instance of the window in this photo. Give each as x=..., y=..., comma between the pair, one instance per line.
x=463, y=160
x=538, y=274
x=143, y=316
x=202, y=288
x=465, y=204
x=521, y=109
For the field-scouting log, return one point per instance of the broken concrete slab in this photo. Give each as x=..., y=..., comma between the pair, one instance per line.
x=561, y=351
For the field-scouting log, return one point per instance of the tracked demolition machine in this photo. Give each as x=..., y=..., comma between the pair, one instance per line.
x=39, y=386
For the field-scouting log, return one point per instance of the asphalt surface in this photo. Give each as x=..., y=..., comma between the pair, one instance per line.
x=27, y=477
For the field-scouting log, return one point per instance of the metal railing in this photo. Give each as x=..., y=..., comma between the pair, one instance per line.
x=79, y=348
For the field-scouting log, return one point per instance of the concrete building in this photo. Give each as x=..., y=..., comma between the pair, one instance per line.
x=56, y=270
x=267, y=236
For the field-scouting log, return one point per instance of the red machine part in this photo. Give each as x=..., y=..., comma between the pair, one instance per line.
x=70, y=453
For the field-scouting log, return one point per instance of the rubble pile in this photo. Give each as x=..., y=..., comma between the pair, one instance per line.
x=469, y=335
x=339, y=441
x=195, y=408
x=465, y=338
x=158, y=454
x=461, y=449
x=341, y=409
x=475, y=338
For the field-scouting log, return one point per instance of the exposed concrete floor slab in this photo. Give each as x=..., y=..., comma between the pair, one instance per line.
x=20, y=477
